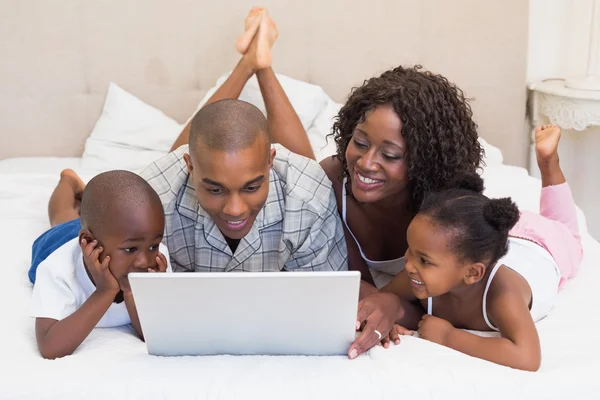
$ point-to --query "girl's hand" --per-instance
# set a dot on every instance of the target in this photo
(435, 329)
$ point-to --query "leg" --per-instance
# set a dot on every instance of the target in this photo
(546, 150)
(556, 201)
(284, 124)
(250, 27)
(245, 68)
(66, 199)
(230, 89)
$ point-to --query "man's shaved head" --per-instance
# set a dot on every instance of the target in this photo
(228, 125)
(114, 193)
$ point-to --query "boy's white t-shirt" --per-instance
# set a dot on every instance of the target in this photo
(62, 285)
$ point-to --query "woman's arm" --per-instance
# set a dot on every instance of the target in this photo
(333, 168)
(381, 310)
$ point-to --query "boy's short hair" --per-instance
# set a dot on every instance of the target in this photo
(109, 190)
(228, 125)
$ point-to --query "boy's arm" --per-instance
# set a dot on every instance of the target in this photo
(61, 338)
(132, 311)
(519, 346)
(163, 265)
(60, 327)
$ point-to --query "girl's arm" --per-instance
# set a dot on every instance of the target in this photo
(519, 346)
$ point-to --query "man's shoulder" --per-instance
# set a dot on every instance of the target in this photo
(303, 181)
(167, 174)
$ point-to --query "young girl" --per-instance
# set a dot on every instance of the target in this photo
(480, 264)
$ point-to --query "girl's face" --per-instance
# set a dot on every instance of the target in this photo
(431, 265)
(376, 155)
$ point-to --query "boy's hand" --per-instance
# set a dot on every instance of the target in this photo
(435, 329)
(161, 266)
(124, 284)
(161, 263)
(101, 275)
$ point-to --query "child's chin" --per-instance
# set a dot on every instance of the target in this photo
(420, 294)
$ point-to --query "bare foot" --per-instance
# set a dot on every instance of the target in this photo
(71, 177)
(251, 24)
(259, 52)
(546, 143)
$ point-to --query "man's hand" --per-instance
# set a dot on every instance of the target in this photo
(435, 329)
(376, 314)
(104, 280)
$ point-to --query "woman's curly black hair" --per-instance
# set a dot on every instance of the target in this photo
(437, 126)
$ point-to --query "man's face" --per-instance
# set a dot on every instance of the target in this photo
(232, 187)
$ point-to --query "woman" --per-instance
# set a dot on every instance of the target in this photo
(399, 136)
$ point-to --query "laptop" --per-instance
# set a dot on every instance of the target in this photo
(244, 313)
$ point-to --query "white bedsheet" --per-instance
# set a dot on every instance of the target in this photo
(113, 363)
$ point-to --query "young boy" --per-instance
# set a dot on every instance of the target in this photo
(80, 266)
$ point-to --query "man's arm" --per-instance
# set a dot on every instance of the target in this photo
(323, 246)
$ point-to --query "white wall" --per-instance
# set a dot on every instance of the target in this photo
(558, 38)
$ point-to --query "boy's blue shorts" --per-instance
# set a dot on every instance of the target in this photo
(51, 240)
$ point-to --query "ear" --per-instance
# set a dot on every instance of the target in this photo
(272, 153)
(475, 273)
(87, 235)
(188, 162)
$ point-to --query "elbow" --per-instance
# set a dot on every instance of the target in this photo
(529, 363)
(51, 352)
(532, 367)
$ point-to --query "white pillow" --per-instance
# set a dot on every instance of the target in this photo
(323, 146)
(493, 155)
(307, 99)
(129, 134)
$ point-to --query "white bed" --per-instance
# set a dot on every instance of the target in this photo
(113, 362)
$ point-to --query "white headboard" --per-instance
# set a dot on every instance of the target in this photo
(56, 58)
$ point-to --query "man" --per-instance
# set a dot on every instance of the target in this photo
(232, 204)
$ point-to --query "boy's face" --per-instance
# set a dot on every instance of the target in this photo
(131, 238)
(232, 187)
